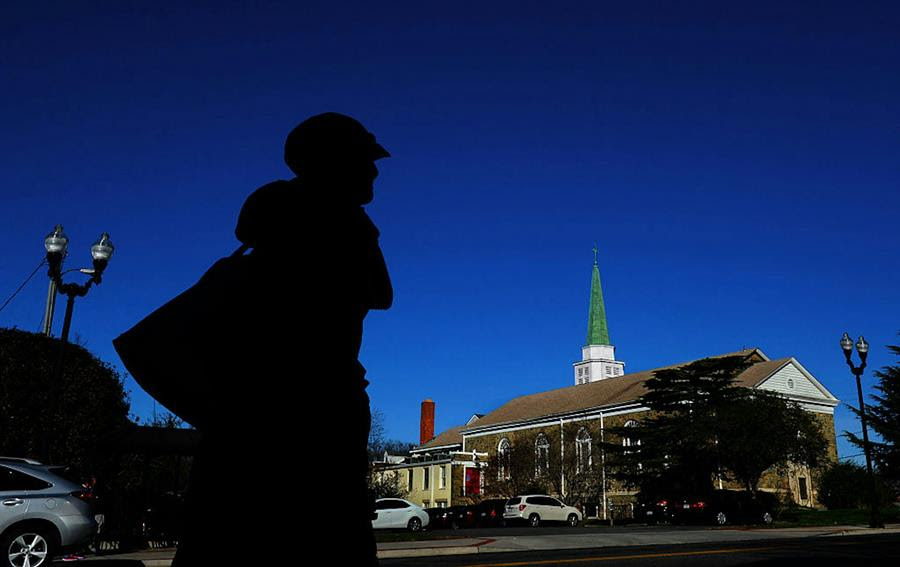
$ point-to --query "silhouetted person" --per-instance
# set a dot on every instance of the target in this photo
(280, 395)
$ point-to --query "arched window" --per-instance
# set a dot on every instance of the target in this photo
(503, 449)
(631, 440)
(541, 455)
(583, 457)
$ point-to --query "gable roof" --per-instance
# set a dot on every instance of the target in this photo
(610, 391)
(793, 367)
(448, 438)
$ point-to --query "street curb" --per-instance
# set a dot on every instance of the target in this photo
(425, 552)
(863, 531)
(470, 549)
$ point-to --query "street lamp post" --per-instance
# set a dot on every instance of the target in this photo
(862, 348)
(56, 245)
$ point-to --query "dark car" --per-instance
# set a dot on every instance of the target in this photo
(732, 507)
(463, 517)
(439, 518)
(489, 513)
(719, 507)
(658, 510)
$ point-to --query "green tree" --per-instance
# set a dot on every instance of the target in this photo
(383, 483)
(762, 431)
(703, 426)
(841, 487)
(386, 484)
(676, 446)
(512, 470)
(883, 417)
(65, 420)
(378, 443)
(575, 473)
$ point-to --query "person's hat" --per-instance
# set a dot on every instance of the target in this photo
(330, 137)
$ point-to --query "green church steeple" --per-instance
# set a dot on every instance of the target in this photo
(598, 333)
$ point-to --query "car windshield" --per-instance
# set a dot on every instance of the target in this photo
(513, 501)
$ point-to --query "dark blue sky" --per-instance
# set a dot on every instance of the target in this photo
(736, 163)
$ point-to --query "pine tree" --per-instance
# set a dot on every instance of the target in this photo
(676, 447)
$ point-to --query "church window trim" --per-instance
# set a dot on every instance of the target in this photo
(541, 455)
(583, 451)
(503, 459)
(628, 441)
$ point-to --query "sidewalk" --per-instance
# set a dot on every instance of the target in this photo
(592, 538)
(600, 538)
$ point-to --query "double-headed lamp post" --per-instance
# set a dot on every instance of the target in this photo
(862, 348)
(56, 245)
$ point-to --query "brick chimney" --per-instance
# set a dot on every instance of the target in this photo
(426, 423)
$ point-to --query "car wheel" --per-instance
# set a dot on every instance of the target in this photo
(573, 520)
(721, 519)
(27, 547)
(767, 518)
(534, 520)
(414, 525)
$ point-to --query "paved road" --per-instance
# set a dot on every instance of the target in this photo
(868, 550)
(557, 531)
(838, 545)
(513, 540)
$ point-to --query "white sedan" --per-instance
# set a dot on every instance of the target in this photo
(399, 513)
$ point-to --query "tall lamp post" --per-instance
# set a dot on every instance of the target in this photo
(862, 348)
(56, 245)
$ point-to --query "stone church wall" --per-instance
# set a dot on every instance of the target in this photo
(621, 497)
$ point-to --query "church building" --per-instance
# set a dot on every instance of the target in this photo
(573, 420)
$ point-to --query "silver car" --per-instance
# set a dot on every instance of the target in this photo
(41, 513)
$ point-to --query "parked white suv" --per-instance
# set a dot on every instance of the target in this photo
(537, 508)
(399, 513)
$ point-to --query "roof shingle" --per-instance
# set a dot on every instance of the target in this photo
(452, 436)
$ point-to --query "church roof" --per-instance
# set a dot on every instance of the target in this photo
(452, 436)
(610, 391)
